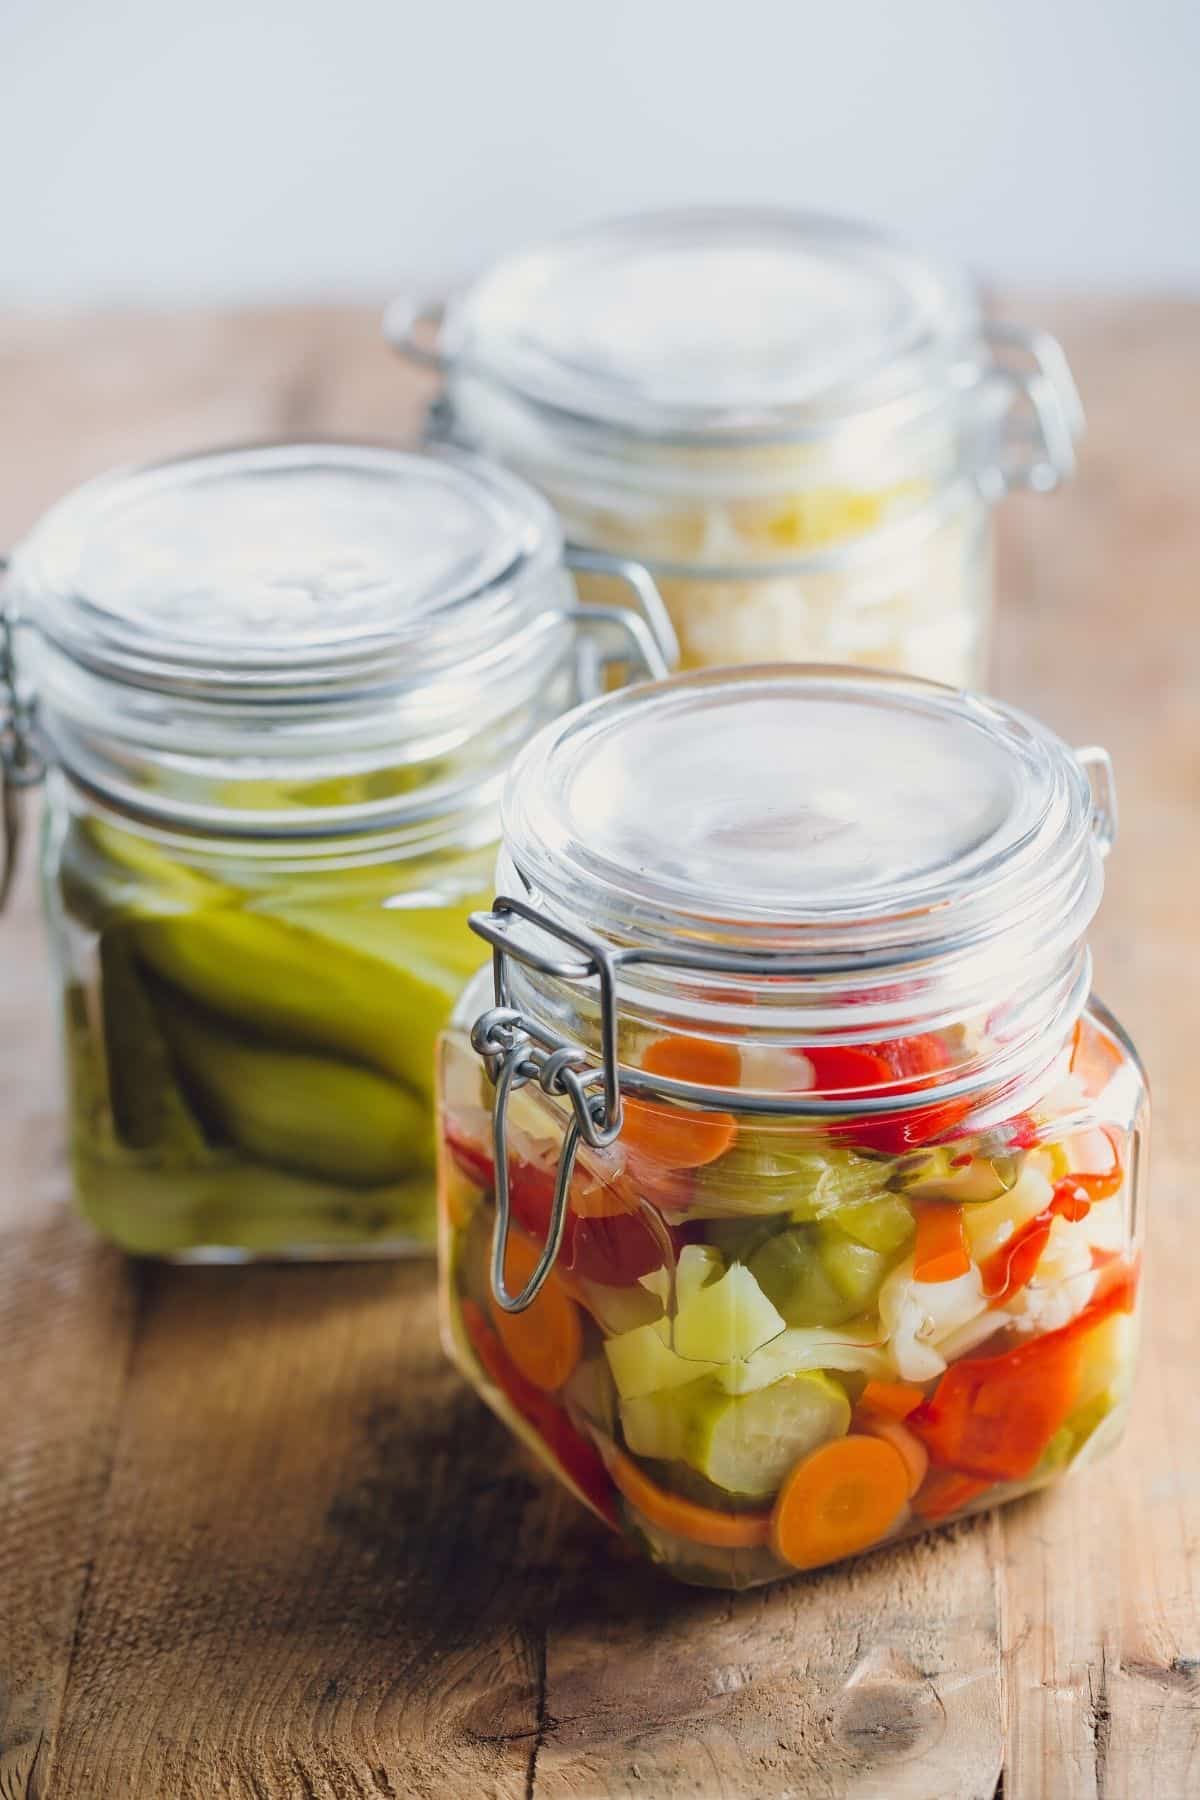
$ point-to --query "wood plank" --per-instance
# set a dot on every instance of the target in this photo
(313, 1568)
(880, 1680)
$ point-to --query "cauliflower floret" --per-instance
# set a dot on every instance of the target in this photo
(920, 1316)
(1063, 1282)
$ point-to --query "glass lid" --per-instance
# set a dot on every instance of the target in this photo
(713, 322)
(804, 809)
(268, 566)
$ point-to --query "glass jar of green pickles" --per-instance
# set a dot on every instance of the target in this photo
(276, 690)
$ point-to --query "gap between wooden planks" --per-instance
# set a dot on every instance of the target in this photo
(257, 1540)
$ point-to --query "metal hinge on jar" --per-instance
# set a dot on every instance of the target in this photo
(21, 762)
(1045, 421)
(1096, 764)
(650, 641)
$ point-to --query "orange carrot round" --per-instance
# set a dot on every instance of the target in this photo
(677, 1139)
(668, 1134)
(685, 1518)
(702, 1060)
(916, 1457)
(941, 1252)
(546, 1340)
(841, 1499)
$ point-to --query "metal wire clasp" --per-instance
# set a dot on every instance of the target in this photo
(1096, 764)
(1035, 367)
(650, 636)
(21, 763)
(516, 1049)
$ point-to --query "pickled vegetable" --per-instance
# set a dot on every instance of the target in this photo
(921, 609)
(254, 1075)
(808, 1347)
(744, 1443)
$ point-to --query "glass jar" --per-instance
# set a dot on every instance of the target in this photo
(276, 689)
(797, 424)
(803, 1211)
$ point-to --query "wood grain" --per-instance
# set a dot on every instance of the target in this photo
(257, 1540)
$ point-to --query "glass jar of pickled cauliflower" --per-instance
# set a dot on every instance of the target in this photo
(794, 1207)
(797, 424)
(276, 690)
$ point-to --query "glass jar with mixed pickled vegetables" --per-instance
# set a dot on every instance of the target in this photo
(794, 1207)
(277, 689)
(796, 423)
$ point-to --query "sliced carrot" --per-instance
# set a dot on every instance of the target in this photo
(942, 1253)
(702, 1060)
(945, 1491)
(677, 1139)
(670, 1135)
(546, 1340)
(841, 1499)
(916, 1457)
(892, 1399)
(685, 1518)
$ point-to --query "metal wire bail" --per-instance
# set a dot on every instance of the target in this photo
(651, 640)
(515, 1049)
(1035, 366)
(1096, 764)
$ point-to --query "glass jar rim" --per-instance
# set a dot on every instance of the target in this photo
(383, 717)
(968, 802)
(271, 573)
(973, 872)
(591, 328)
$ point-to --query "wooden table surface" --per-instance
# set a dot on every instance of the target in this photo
(257, 1539)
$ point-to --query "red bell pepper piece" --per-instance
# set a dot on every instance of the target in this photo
(475, 1163)
(613, 1250)
(945, 1491)
(992, 1417)
(900, 1066)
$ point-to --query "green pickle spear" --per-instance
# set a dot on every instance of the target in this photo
(149, 1110)
(299, 1111)
(267, 1059)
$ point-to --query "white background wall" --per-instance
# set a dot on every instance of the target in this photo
(153, 151)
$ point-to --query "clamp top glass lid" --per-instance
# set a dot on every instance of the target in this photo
(804, 807)
(713, 322)
(264, 566)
